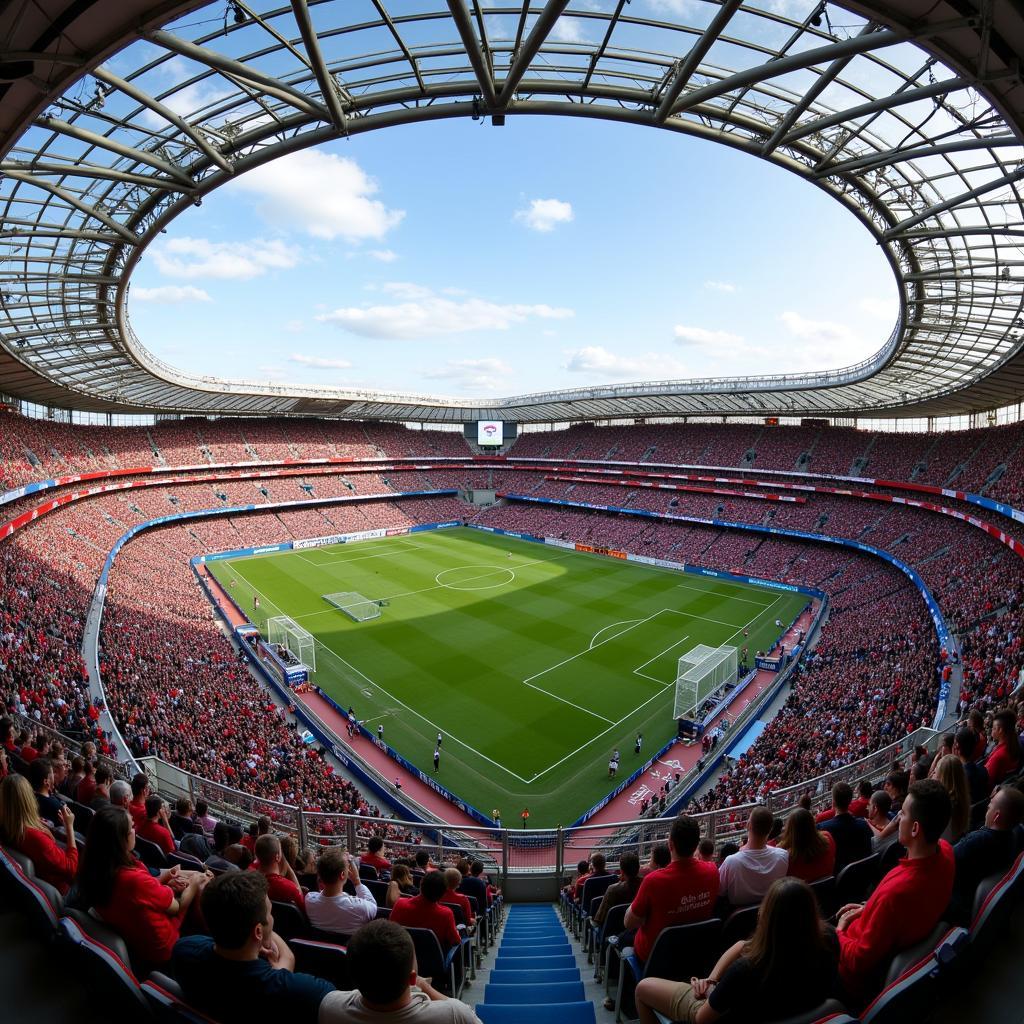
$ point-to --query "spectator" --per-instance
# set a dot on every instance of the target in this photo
(1005, 758)
(424, 911)
(401, 884)
(282, 885)
(661, 857)
(87, 785)
(423, 861)
(909, 900)
(880, 821)
(582, 874)
(242, 971)
(681, 893)
(852, 835)
(624, 890)
(596, 870)
(154, 826)
(748, 874)
(40, 775)
(988, 849)
(101, 795)
(812, 853)
(75, 776)
(182, 819)
(964, 744)
(224, 836)
(373, 856)
(950, 772)
(332, 909)
(706, 850)
(896, 783)
(120, 794)
(453, 878)
(859, 805)
(382, 959)
(725, 851)
(203, 817)
(787, 967)
(146, 911)
(474, 885)
(22, 829)
(140, 791)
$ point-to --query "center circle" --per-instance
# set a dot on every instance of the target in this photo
(474, 577)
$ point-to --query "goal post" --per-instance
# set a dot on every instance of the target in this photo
(354, 605)
(290, 636)
(702, 671)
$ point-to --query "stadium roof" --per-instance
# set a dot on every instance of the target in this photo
(909, 113)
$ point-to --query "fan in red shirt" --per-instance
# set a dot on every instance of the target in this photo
(682, 893)
(282, 885)
(146, 911)
(910, 899)
(812, 854)
(424, 911)
(22, 829)
(453, 879)
(1005, 759)
(373, 856)
(155, 825)
(141, 790)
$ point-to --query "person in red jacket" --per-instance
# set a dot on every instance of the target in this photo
(155, 826)
(425, 911)
(146, 911)
(373, 856)
(282, 884)
(141, 790)
(22, 829)
(453, 879)
(908, 902)
(1005, 758)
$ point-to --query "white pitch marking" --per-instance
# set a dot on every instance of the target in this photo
(578, 707)
(624, 622)
(637, 671)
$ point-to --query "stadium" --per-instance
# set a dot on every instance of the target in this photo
(691, 668)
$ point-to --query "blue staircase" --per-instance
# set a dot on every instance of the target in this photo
(535, 977)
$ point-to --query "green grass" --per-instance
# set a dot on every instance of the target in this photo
(535, 666)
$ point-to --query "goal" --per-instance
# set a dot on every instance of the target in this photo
(290, 638)
(355, 606)
(702, 671)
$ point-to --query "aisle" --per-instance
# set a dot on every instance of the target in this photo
(535, 977)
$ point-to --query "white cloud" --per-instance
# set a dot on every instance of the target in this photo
(819, 332)
(719, 286)
(240, 261)
(702, 337)
(881, 308)
(171, 293)
(544, 214)
(319, 362)
(384, 255)
(294, 327)
(424, 314)
(323, 194)
(475, 374)
(598, 361)
(569, 30)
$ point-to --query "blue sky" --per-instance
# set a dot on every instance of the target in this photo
(466, 260)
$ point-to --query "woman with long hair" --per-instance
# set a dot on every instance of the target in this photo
(788, 966)
(951, 774)
(400, 884)
(22, 829)
(146, 911)
(812, 853)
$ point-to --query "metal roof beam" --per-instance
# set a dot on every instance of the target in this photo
(697, 53)
(894, 156)
(236, 69)
(464, 23)
(949, 204)
(795, 62)
(55, 124)
(534, 41)
(94, 171)
(143, 97)
(90, 211)
(328, 87)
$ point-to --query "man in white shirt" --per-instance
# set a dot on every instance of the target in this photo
(382, 960)
(747, 876)
(333, 910)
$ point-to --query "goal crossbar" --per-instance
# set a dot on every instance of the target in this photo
(701, 672)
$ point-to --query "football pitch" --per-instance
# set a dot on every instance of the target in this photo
(535, 662)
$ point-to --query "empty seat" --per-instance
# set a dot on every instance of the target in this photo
(111, 982)
(328, 960)
(167, 1001)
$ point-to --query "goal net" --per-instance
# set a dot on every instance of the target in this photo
(702, 671)
(355, 606)
(293, 643)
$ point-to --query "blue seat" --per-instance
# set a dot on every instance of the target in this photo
(554, 992)
(534, 963)
(538, 1013)
(539, 977)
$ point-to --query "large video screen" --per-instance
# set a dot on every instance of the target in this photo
(490, 432)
